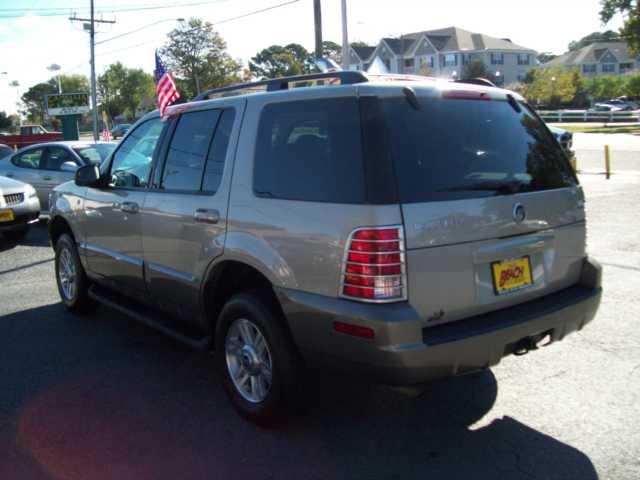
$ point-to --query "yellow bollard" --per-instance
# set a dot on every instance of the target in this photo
(607, 161)
(574, 163)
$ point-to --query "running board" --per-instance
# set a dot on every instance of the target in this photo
(138, 313)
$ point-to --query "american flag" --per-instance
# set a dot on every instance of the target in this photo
(165, 87)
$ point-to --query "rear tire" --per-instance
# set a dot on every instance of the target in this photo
(73, 285)
(256, 359)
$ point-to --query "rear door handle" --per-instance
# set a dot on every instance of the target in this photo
(9, 174)
(130, 207)
(206, 215)
(47, 178)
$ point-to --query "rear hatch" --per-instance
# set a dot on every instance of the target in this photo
(493, 214)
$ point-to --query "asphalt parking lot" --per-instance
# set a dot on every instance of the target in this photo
(100, 397)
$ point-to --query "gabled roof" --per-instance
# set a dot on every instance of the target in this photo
(401, 45)
(594, 53)
(453, 39)
(364, 53)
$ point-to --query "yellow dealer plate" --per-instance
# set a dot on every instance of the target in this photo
(511, 275)
(6, 215)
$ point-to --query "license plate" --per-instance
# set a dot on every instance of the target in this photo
(511, 275)
(6, 215)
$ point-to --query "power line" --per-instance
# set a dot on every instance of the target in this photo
(64, 11)
(244, 15)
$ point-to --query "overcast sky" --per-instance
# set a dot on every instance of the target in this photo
(30, 42)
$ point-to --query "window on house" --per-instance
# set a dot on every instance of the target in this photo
(450, 60)
(497, 59)
(431, 62)
(409, 62)
(589, 68)
(523, 59)
(626, 66)
(608, 67)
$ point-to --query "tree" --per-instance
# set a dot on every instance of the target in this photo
(545, 57)
(122, 89)
(605, 88)
(551, 87)
(332, 50)
(592, 38)
(630, 10)
(5, 120)
(198, 57)
(279, 61)
(476, 69)
(33, 98)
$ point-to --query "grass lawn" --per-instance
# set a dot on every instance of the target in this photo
(633, 129)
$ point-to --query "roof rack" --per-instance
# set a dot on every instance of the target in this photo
(477, 81)
(284, 83)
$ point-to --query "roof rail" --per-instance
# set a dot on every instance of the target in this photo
(477, 81)
(283, 83)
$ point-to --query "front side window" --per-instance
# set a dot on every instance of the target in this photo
(188, 151)
(56, 157)
(30, 159)
(95, 154)
(131, 163)
(310, 151)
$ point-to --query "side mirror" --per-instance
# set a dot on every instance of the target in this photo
(87, 176)
(69, 167)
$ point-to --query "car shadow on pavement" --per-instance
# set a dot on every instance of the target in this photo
(36, 237)
(101, 397)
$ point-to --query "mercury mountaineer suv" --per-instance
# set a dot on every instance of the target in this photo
(398, 228)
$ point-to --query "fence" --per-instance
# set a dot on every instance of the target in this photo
(589, 116)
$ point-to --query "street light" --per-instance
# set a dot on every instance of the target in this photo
(54, 67)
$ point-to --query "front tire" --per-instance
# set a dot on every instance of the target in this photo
(72, 281)
(255, 358)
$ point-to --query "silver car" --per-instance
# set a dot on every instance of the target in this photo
(19, 207)
(47, 165)
(392, 228)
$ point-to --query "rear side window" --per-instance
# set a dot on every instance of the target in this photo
(452, 149)
(310, 150)
(30, 159)
(187, 153)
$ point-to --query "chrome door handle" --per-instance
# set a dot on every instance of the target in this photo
(130, 207)
(9, 174)
(46, 177)
(205, 215)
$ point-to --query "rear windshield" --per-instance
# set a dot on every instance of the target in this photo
(450, 149)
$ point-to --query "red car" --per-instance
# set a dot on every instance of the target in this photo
(29, 135)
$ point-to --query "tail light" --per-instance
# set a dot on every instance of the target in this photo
(374, 265)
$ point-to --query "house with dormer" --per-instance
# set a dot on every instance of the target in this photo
(599, 58)
(445, 53)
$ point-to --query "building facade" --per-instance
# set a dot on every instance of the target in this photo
(598, 59)
(445, 53)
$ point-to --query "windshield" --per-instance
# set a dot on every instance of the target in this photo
(95, 154)
(450, 149)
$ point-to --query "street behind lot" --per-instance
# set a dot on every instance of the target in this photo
(100, 397)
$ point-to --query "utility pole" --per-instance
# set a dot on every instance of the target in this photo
(92, 43)
(345, 37)
(317, 17)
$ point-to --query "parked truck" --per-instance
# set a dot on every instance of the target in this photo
(29, 135)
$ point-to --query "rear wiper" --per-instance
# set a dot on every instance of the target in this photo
(500, 187)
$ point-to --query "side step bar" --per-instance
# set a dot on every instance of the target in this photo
(137, 312)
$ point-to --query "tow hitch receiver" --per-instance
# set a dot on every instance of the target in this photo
(525, 345)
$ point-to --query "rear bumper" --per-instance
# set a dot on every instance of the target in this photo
(404, 352)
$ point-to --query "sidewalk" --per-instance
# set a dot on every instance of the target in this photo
(597, 141)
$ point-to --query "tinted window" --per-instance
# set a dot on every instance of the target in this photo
(30, 159)
(188, 150)
(218, 152)
(132, 161)
(310, 150)
(56, 157)
(451, 149)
